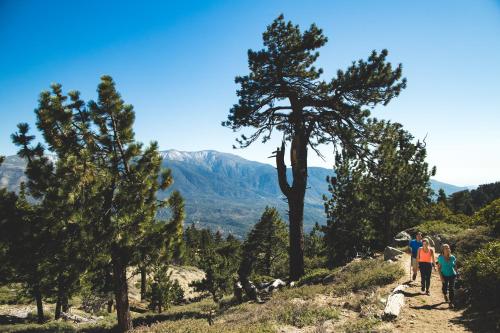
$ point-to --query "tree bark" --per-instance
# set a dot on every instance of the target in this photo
(110, 305)
(65, 303)
(121, 294)
(39, 304)
(295, 195)
(57, 311)
(143, 283)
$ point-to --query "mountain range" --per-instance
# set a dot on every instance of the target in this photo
(223, 191)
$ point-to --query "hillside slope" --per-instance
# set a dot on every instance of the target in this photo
(223, 191)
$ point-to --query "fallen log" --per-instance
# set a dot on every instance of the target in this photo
(395, 303)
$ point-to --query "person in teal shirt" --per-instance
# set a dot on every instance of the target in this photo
(447, 270)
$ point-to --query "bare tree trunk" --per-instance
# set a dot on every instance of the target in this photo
(57, 312)
(39, 304)
(143, 283)
(121, 294)
(295, 195)
(110, 305)
(65, 304)
(296, 236)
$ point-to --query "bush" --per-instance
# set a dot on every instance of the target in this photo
(315, 262)
(365, 274)
(261, 279)
(460, 220)
(300, 316)
(315, 276)
(13, 294)
(467, 241)
(489, 216)
(438, 227)
(481, 275)
(435, 211)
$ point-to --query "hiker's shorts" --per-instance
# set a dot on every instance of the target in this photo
(414, 264)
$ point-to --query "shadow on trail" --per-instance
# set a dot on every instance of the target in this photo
(430, 306)
(478, 320)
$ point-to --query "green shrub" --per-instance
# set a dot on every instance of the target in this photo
(361, 325)
(315, 276)
(460, 220)
(311, 263)
(300, 316)
(481, 275)
(438, 227)
(258, 279)
(365, 274)
(468, 240)
(435, 211)
(489, 216)
(13, 294)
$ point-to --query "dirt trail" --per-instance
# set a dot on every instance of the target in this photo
(426, 313)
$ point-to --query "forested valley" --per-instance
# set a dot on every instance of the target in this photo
(83, 248)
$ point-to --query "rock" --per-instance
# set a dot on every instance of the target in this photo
(402, 239)
(76, 318)
(251, 291)
(276, 284)
(391, 253)
(328, 279)
(436, 243)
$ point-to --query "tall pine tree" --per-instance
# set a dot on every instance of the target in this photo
(284, 92)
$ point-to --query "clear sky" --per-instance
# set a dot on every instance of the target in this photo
(175, 61)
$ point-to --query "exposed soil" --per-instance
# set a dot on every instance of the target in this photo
(425, 313)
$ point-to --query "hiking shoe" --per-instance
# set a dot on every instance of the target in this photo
(427, 292)
(414, 276)
(423, 289)
(446, 298)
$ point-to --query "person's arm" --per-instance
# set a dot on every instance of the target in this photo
(433, 259)
(418, 255)
(439, 270)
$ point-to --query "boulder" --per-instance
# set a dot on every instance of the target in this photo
(402, 239)
(436, 243)
(251, 291)
(391, 253)
(276, 284)
(77, 319)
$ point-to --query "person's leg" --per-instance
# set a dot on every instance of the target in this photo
(422, 276)
(451, 288)
(414, 266)
(445, 287)
(428, 270)
(429, 274)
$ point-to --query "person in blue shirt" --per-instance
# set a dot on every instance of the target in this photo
(414, 245)
(447, 270)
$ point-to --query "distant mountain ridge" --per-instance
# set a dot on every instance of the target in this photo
(224, 191)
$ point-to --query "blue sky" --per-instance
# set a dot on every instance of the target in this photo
(175, 61)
